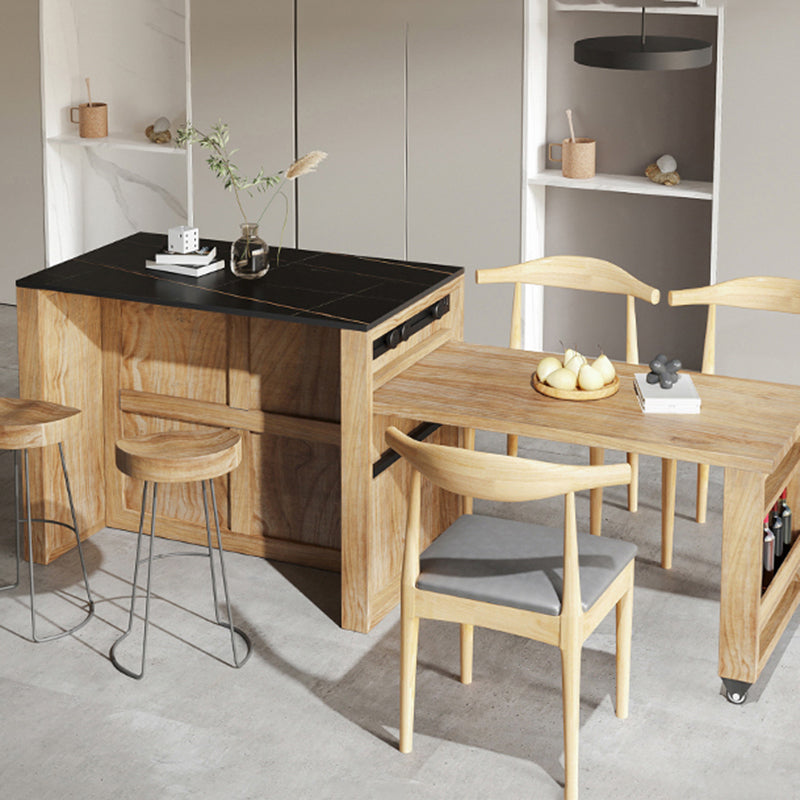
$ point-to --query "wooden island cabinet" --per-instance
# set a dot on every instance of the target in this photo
(291, 360)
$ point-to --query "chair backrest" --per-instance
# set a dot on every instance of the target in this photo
(573, 272)
(491, 476)
(761, 293)
(505, 479)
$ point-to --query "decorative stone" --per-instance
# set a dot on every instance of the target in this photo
(158, 132)
(664, 178)
(666, 163)
(664, 371)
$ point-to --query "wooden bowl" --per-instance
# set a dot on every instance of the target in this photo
(575, 394)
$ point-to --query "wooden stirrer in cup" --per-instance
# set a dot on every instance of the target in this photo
(569, 119)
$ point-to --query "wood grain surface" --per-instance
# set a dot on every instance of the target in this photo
(60, 357)
(300, 397)
(749, 425)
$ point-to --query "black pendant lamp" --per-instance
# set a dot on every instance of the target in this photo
(643, 52)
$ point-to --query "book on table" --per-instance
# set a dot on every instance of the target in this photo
(187, 269)
(680, 398)
(199, 258)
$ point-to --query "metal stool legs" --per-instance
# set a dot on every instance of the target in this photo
(28, 520)
(229, 624)
(237, 661)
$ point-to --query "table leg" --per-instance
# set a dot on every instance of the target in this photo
(356, 419)
(740, 583)
(669, 472)
(60, 360)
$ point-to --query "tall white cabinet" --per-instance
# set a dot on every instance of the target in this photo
(666, 236)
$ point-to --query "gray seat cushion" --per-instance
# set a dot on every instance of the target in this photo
(517, 564)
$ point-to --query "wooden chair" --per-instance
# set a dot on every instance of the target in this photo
(759, 293)
(173, 457)
(589, 274)
(507, 575)
(35, 423)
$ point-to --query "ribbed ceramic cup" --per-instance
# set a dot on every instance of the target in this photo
(92, 119)
(577, 158)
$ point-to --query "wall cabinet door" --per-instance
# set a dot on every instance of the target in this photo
(243, 73)
(419, 106)
(350, 90)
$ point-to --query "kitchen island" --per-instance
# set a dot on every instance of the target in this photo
(291, 360)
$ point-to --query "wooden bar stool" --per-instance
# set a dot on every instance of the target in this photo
(176, 457)
(35, 423)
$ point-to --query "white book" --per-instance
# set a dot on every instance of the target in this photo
(681, 398)
(199, 258)
(187, 269)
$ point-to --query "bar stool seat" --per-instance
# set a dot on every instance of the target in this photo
(177, 457)
(26, 424)
(180, 456)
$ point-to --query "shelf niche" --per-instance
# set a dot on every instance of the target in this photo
(99, 190)
(663, 235)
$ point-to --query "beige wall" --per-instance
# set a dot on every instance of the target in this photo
(759, 213)
(22, 198)
(243, 74)
(665, 242)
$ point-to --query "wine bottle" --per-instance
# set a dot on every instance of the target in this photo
(776, 526)
(786, 515)
(769, 555)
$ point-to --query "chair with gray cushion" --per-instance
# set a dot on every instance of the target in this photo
(547, 584)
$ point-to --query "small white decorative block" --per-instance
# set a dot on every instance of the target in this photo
(183, 239)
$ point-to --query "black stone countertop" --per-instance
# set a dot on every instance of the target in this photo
(336, 290)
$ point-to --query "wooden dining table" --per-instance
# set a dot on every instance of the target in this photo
(750, 428)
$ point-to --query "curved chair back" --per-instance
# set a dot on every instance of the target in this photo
(573, 272)
(501, 478)
(761, 293)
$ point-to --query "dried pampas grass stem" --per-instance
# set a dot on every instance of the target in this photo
(305, 164)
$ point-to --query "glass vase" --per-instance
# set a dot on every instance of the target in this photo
(249, 253)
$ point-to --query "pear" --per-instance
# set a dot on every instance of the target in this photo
(590, 378)
(569, 354)
(546, 366)
(562, 378)
(604, 366)
(575, 363)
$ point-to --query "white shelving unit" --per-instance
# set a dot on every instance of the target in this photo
(538, 178)
(135, 54)
(699, 10)
(119, 142)
(629, 184)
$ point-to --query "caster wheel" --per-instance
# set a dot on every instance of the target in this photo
(737, 698)
(735, 691)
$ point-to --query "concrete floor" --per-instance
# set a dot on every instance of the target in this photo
(314, 713)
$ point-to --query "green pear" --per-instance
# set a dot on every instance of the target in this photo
(604, 366)
(546, 366)
(575, 363)
(562, 378)
(590, 378)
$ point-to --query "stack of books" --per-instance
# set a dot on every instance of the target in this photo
(680, 398)
(198, 263)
